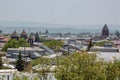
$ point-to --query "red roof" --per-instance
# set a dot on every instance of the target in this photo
(116, 42)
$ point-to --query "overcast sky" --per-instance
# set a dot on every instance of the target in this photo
(72, 12)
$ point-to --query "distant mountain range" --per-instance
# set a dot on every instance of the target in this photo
(10, 26)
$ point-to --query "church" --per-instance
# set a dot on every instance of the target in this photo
(105, 30)
(104, 35)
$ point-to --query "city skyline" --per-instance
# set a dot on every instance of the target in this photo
(67, 12)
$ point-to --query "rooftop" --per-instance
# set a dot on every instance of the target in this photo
(15, 33)
(104, 47)
(24, 33)
(105, 27)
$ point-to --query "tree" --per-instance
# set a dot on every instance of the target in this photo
(1, 64)
(113, 70)
(84, 66)
(13, 43)
(43, 68)
(23, 42)
(42, 39)
(102, 43)
(54, 44)
(20, 63)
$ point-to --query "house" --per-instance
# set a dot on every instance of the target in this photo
(108, 56)
(7, 74)
(3, 40)
(15, 35)
(23, 35)
(103, 49)
(29, 52)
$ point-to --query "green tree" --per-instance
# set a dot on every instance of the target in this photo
(102, 43)
(16, 77)
(40, 60)
(25, 78)
(81, 66)
(43, 68)
(113, 70)
(13, 43)
(23, 42)
(54, 44)
(84, 66)
(20, 63)
(42, 39)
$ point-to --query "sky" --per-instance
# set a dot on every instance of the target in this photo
(70, 12)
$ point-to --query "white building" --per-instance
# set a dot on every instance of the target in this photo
(7, 74)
